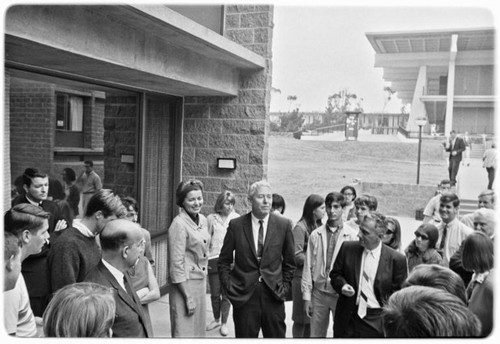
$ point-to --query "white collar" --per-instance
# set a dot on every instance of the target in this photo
(77, 223)
(117, 274)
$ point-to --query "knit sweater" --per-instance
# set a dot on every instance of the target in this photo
(71, 257)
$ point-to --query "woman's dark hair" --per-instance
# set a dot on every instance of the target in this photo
(70, 174)
(396, 235)
(477, 254)
(312, 202)
(278, 202)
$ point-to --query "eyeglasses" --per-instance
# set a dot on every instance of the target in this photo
(422, 236)
(389, 233)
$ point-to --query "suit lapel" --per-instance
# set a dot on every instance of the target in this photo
(270, 233)
(357, 264)
(249, 233)
(128, 299)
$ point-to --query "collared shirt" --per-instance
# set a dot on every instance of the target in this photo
(255, 229)
(117, 274)
(91, 183)
(77, 223)
(36, 204)
(456, 233)
(490, 158)
(331, 242)
(369, 262)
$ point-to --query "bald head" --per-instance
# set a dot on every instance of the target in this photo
(119, 233)
(122, 243)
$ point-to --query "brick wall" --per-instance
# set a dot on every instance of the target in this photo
(120, 127)
(6, 145)
(398, 199)
(32, 124)
(233, 127)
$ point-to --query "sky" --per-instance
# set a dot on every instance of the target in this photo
(320, 49)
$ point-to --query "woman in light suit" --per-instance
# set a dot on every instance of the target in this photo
(188, 243)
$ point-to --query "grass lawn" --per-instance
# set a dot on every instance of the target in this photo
(298, 168)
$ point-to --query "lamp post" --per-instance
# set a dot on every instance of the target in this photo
(420, 122)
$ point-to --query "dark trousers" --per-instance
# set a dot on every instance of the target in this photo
(453, 170)
(368, 327)
(491, 176)
(262, 311)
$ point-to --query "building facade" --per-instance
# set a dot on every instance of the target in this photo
(446, 75)
(154, 94)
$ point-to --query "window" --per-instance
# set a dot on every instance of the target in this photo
(69, 112)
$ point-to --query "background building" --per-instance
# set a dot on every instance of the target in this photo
(446, 75)
(152, 93)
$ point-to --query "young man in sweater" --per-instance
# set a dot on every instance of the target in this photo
(75, 252)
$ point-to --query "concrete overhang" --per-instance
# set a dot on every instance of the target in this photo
(138, 47)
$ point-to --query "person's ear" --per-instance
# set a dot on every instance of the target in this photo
(26, 236)
(98, 215)
(125, 252)
(9, 263)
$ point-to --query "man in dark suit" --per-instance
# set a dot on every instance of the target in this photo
(34, 268)
(365, 274)
(122, 244)
(455, 147)
(263, 248)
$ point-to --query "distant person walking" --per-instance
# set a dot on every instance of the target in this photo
(490, 162)
(90, 183)
(468, 146)
(71, 189)
(455, 146)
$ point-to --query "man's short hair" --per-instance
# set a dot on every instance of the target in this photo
(129, 201)
(89, 162)
(488, 214)
(380, 221)
(425, 312)
(24, 216)
(30, 173)
(488, 193)
(367, 200)
(107, 202)
(252, 190)
(448, 197)
(444, 181)
(437, 276)
(11, 245)
(335, 196)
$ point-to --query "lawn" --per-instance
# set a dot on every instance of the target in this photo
(298, 168)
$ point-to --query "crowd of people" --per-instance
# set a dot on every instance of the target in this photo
(93, 276)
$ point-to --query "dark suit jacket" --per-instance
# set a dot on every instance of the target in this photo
(276, 267)
(129, 318)
(34, 268)
(459, 147)
(391, 272)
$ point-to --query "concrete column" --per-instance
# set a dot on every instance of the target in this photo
(451, 86)
(417, 105)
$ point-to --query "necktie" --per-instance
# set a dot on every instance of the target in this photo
(443, 238)
(260, 242)
(364, 285)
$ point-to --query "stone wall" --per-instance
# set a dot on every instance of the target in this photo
(398, 199)
(233, 127)
(32, 126)
(120, 137)
(6, 145)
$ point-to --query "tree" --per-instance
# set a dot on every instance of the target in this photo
(291, 99)
(292, 121)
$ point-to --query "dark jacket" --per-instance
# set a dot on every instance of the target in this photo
(130, 321)
(276, 266)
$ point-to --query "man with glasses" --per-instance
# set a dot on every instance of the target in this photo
(365, 274)
(75, 252)
(122, 244)
(431, 211)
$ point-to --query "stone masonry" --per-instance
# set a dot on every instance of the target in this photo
(233, 127)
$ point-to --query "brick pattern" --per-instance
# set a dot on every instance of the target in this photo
(398, 199)
(120, 137)
(233, 127)
(32, 126)
(6, 146)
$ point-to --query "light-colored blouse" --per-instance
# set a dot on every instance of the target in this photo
(217, 228)
(188, 247)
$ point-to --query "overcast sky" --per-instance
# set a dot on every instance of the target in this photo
(320, 49)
